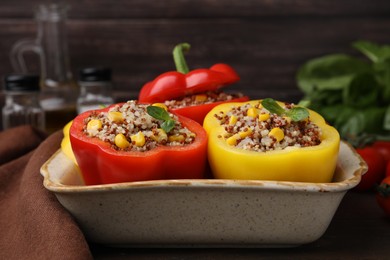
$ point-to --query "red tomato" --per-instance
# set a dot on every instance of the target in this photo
(388, 169)
(376, 168)
(384, 148)
(383, 195)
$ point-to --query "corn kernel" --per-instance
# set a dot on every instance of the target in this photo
(200, 98)
(138, 139)
(232, 120)
(277, 133)
(245, 133)
(115, 116)
(94, 124)
(176, 138)
(264, 117)
(193, 135)
(121, 141)
(232, 140)
(161, 136)
(252, 112)
(161, 105)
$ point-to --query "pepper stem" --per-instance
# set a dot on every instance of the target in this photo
(178, 57)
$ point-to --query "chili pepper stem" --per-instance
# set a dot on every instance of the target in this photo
(178, 57)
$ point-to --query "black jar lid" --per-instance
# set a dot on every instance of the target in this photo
(21, 82)
(94, 74)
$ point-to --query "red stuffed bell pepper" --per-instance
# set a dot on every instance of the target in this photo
(191, 93)
(126, 142)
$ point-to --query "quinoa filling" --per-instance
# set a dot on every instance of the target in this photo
(129, 127)
(199, 99)
(255, 128)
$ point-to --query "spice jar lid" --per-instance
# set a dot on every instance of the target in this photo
(21, 83)
(95, 74)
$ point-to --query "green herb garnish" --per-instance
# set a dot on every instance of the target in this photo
(160, 113)
(351, 93)
(296, 113)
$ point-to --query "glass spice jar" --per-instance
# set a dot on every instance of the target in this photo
(22, 102)
(95, 89)
(59, 90)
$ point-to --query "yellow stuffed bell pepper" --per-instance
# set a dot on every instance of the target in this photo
(66, 147)
(302, 163)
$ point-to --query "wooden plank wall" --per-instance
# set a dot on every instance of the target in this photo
(265, 41)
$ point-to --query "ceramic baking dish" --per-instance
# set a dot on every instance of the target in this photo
(202, 213)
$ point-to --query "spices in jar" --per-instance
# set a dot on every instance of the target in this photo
(95, 89)
(22, 105)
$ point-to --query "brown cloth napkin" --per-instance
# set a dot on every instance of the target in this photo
(33, 224)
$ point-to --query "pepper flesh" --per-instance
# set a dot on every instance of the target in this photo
(302, 164)
(101, 164)
(65, 143)
(178, 84)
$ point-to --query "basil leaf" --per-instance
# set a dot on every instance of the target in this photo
(371, 50)
(384, 79)
(355, 121)
(304, 103)
(386, 121)
(272, 106)
(374, 119)
(333, 71)
(353, 95)
(331, 113)
(326, 96)
(362, 92)
(298, 113)
(385, 52)
(161, 114)
(158, 113)
(168, 125)
(352, 123)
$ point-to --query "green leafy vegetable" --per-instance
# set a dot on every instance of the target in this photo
(296, 113)
(386, 122)
(371, 50)
(161, 114)
(168, 125)
(362, 91)
(329, 72)
(272, 106)
(353, 94)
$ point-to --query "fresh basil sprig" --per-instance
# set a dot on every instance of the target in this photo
(351, 93)
(296, 113)
(161, 114)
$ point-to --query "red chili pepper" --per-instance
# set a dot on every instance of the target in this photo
(177, 84)
(101, 164)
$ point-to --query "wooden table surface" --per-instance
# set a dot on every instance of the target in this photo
(359, 230)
